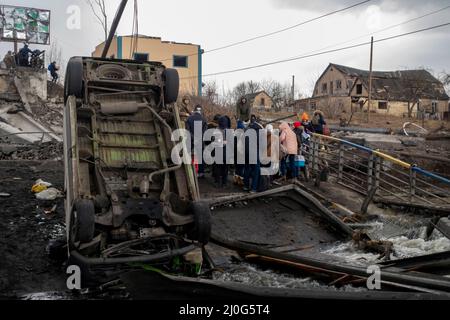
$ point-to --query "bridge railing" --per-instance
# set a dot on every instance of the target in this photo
(364, 170)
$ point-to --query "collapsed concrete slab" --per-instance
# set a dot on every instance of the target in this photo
(21, 90)
(27, 84)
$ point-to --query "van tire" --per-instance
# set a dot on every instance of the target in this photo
(172, 86)
(73, 85)
(84, 221)
(202, 222)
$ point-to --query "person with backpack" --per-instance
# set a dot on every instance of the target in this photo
(52, 68)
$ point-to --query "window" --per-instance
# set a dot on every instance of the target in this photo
(382, 105)
(338, 84)
(359, 89)
(434, 107)
(349, 84)
(141, 57)
(324, 88)
(180, 61)
(263, 101)
(331, 87)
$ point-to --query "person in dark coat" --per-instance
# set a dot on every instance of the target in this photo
(318, 122)
(298, 130)
(24, 56)
(239, 167)
(220, 170)
(252, 171)
(243, 109)
(52, 68)
(190, 125)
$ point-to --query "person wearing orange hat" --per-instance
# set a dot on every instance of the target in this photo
(306, 123)
(305, 117)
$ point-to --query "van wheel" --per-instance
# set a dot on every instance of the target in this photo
(172, 85)
(73, 85)
(83, 221)
(202, 222)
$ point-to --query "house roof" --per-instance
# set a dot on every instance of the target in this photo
(400, 84)
(142, 36)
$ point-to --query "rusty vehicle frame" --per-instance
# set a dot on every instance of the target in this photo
(125, 199)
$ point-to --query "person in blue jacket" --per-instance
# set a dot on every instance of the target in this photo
(52, 68)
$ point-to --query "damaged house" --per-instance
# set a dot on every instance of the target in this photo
(400, 93)
(260, 100)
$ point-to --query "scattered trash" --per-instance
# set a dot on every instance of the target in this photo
(49, 194)
(4, 195)
(421, 131)
(40, 185)
(51, 211)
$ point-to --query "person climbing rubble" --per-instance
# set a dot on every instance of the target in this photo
(52, 68)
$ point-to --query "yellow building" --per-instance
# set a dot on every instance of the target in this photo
(185, 57)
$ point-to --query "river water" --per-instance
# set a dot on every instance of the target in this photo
(406, 232)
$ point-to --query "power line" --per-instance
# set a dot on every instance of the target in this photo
(384, 29)
(321, 53)
(277, 31)
(287, 28)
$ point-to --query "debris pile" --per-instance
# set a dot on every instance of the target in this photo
(27, 114)
(52, 150)
(50, 114)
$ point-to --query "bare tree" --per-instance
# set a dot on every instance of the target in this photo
(54, 54)
(210, 92)
(98, 8)
(414, 90)
(444, 77)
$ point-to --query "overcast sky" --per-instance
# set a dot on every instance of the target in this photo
(214, 23)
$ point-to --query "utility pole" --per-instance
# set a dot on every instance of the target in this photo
(114, 25)
(369, 100)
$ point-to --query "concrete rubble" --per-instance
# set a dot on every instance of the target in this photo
(31, 115)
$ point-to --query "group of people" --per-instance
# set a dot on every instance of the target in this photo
(293, 138)
(24, 58)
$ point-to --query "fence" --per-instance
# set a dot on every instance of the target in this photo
(369, 171)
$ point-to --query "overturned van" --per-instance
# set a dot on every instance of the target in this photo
(126, 202)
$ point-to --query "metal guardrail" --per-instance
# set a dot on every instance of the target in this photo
(369, 171)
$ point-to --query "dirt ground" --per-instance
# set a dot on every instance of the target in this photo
(25, 229)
